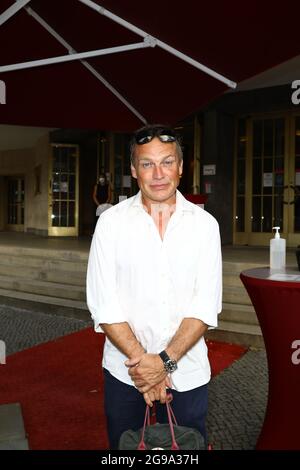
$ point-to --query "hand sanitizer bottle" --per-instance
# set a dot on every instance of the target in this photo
(277, 252)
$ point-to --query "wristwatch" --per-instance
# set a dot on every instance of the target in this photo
(170, 365)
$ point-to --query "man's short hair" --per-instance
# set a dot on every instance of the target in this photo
(146, 133)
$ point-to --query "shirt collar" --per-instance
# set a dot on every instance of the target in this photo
(182, 204)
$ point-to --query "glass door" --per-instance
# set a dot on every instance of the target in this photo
(267, 182)
(15, 203)
(293, 185)
(63, 190)
(267, 179)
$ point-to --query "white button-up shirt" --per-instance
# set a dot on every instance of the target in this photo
(152, 284)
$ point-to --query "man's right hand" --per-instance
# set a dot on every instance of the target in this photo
(158, 392)
(146, 371)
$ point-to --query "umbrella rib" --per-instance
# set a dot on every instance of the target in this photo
(89, 67)
(80, 56)
(75, 56)
(12, 10)
(71, 57)
(117, 19)
(114, 91)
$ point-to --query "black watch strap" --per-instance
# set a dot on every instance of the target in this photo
(164, 356)
(170, 365)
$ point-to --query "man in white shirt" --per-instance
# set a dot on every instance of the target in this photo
(154, 286)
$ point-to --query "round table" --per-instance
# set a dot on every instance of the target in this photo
(276, 299)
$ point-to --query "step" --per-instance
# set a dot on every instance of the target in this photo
(236, 295)
(12, 431)
(232, 280)
(232, 267)
(51, 289)
(44, 299)
(39, 262)
(237, 313)
(58, 276)
(244, 328)
(245, 339)
(248, 335)
(54, 254)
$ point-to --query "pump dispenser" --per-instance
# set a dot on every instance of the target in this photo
(277, 251)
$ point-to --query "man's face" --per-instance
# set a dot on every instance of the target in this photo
(157, 170)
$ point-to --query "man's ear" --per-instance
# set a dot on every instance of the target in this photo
(181, 168)
(133, 171)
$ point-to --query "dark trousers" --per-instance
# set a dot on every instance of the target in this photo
(125, 408)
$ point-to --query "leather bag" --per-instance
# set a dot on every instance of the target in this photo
(168, 436)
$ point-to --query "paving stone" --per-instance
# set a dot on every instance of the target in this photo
(14, 444)
(22, 329)
(12, 432)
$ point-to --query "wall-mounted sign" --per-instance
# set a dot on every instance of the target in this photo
(126, 181)
(268, 180)
(209, 169)
(64, 186)
(2, 92)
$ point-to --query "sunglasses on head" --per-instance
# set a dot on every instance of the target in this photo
(163, 134)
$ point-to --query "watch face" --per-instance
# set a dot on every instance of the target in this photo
(171, 365)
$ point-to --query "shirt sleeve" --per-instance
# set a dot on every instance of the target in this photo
(206, 301)
(101, 284)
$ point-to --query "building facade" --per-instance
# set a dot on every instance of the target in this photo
(242, 151)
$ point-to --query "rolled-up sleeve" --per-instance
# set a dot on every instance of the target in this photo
(206, 302)
(101, 284)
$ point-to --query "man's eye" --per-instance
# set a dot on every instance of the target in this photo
(168, 162)
(147, 165)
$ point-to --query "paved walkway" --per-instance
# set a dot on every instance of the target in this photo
(237, 396)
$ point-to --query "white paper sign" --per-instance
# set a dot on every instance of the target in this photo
(126, 181)
(268, 180)
(64, 186)
(209, 169)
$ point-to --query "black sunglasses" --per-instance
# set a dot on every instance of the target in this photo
(163, 134)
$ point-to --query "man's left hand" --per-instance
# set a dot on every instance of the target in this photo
(146, 371)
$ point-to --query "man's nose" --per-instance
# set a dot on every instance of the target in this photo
(158, 172)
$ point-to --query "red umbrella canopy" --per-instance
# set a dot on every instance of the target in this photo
(235, 42)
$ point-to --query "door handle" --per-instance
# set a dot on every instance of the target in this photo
(296, 191)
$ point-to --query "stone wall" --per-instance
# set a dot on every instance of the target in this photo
(31, 164)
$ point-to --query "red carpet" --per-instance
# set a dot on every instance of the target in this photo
(59, 387)
(221, 355)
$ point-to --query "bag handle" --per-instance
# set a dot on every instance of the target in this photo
(171, 411)
(172, 421)
(142, 445)
(171, 417)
